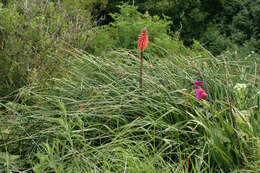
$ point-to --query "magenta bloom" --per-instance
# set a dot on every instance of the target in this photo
(200, 94)
(198, 83)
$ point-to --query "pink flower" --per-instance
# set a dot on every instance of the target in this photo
(198, 83)
(200, 94)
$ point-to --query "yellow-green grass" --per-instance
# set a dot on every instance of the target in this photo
(96, 119)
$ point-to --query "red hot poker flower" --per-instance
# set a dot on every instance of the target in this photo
(200, 94)
(198, 83)
(143, 39)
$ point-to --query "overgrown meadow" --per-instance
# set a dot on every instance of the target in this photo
(83, 111)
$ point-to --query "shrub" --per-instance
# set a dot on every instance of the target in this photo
(215, 41)
(31, 32)
(123, 32)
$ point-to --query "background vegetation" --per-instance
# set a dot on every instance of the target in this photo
(69, 96)
(218, 24)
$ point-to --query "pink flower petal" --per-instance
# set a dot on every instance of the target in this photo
(200, 94)
(198, 83)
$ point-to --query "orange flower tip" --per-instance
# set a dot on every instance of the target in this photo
(143, 39)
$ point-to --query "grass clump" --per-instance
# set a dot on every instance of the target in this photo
(95, 118)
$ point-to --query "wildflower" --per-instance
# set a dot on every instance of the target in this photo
(200, 94)
(198, 83)
(240, 86)
(143, 39)
(142, 44)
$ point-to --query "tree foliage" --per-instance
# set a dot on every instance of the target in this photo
(217, 24)
(123, 32)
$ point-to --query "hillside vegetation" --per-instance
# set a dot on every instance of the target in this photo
(70, 99)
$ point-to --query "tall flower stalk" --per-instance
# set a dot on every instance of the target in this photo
(142, 44)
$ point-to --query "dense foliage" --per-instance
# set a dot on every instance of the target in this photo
(95, 118)
(69, 95)
(123, 34)
(31, 31)
(218, 24)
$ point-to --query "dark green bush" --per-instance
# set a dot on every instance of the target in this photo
(215, 41)
(233, 22)
(124, 31)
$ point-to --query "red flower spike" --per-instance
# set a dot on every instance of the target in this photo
(143, 39)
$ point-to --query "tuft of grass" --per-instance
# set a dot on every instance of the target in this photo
(95, 119)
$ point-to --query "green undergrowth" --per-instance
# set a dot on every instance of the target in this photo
(96, 119)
